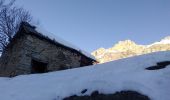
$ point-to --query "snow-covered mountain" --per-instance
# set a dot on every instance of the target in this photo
(129, 48)
(147, 74)
(166, 40)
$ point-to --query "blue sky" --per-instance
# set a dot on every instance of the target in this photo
(91, 24)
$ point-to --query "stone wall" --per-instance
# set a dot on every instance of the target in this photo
(18, 57)
(11, 57)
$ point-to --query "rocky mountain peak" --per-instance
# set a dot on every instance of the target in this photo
(126, 42)
(129, 48)
(126, 45)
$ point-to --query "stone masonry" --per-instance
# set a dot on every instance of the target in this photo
(26, 48)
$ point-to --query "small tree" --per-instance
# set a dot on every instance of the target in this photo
(10, 19)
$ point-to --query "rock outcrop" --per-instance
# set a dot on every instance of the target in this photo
(122, 95)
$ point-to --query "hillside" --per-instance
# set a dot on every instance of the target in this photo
(146, 74)
(128, 48)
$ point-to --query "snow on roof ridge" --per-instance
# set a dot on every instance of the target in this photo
(61, 41)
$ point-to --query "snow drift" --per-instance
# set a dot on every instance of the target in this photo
(124, 74)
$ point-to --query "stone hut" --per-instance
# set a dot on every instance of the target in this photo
(33, 51)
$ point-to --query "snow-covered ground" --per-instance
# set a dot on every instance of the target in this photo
(124, 74)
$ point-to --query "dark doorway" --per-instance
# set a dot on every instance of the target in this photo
(38, 67)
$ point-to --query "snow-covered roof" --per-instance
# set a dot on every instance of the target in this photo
(124, 74)
(56, 39)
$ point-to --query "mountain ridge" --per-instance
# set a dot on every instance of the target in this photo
(128, 48)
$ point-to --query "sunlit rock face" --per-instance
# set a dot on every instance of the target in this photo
(128, 48)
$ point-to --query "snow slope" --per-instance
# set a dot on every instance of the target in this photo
(124, 74)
